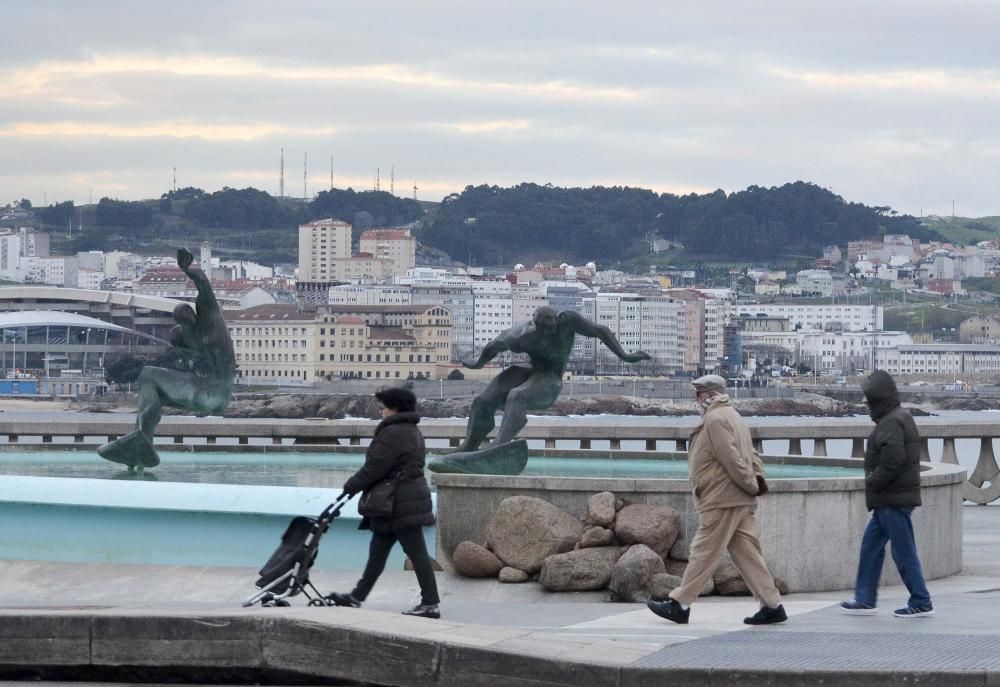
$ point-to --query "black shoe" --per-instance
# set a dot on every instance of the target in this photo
(767, 616)
(347, 600)
(671, 610)
(424, 611)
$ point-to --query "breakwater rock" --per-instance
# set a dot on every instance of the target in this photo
(339, 406)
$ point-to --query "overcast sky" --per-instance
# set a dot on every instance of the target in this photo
(888, 103)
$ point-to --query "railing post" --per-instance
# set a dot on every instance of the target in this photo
(925, 451)
(650, 444)
(948, 453)
(758, 445)
(550, 443)
(858, 448)
(616, 444)
(819, 448)
(680, 445)
(795, 447)
(584, 444)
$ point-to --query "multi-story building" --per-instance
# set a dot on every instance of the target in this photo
(369, 294)
(10, 257)
(851, 318)
(383, 341)
(944, 358)
(525, 300)
(493, 309)
(274, 344)
(395, 245)
(435, 287)
(654, 324)
(321, 244)
(361, 267)
(844, 352)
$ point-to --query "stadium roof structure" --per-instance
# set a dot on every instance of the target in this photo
(58, 318)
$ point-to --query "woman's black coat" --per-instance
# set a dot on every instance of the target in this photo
(398, 447)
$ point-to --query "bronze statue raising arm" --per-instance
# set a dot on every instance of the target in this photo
(584, 327)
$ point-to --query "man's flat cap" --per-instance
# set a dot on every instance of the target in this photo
(710, 382)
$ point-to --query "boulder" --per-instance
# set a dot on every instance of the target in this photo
(681, 550)
(513, 575)
(676, 569)
(524, 531)
(661, 584)
(655, 526)
(596, 536)
(728, 581)
(580, 570)
(633, 572)
(472, 560)
(601, 509)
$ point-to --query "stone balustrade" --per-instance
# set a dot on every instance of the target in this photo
(982, 486)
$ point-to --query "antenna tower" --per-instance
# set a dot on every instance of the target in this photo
(414, 190)
(305, 177)
(331, 172)
(378, 179)
(392, 180)
(281, 178)
(175, 180)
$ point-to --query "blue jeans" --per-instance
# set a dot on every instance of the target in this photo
(890, 524)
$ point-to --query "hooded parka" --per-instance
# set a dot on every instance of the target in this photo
(396, 449)
(892, 457)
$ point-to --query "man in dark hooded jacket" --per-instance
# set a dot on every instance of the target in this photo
(892, 491)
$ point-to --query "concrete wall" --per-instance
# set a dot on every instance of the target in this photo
(811, 528)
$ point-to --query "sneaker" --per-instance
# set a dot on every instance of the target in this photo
(671, 610)
(855, 607)
(424, 611)
(767, 616)
(912, 612)
(347, 600)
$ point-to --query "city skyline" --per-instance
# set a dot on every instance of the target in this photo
(885, 104)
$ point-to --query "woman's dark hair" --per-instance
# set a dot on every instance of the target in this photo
(399, 399)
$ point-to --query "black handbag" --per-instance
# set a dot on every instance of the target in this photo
(378, 501)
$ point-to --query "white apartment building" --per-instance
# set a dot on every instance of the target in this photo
(10, 257)
(121, 265)
(852, 318)
(492, 311)
(525, 300)
(321, 244)
(394, 245)
(52, 271)
(245, 270)
(943, 358)
(370, 294)
(654, 324)
(844, 352)
(89, 279)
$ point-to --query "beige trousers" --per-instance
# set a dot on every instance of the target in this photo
(735, 529)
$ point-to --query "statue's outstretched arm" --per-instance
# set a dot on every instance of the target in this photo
(206, 297)
(584, 327)
(489, 352)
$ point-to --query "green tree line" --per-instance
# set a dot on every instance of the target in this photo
(614, 223)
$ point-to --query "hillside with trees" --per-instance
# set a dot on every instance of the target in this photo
(494, 225)
(613, 224)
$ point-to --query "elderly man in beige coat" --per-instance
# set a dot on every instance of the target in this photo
(724, 470)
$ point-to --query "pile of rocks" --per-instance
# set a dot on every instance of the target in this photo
(634, 550)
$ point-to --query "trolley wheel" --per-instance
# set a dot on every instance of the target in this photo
(316, 602)
(281, 602)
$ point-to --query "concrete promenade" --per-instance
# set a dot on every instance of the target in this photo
(150, 624)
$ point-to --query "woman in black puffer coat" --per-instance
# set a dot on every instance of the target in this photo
(397, 450)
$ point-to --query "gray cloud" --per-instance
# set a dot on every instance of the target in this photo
(889, 102)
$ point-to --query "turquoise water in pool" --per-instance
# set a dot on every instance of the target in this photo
(330, 470)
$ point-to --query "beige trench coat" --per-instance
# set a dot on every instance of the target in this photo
(721, 459)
